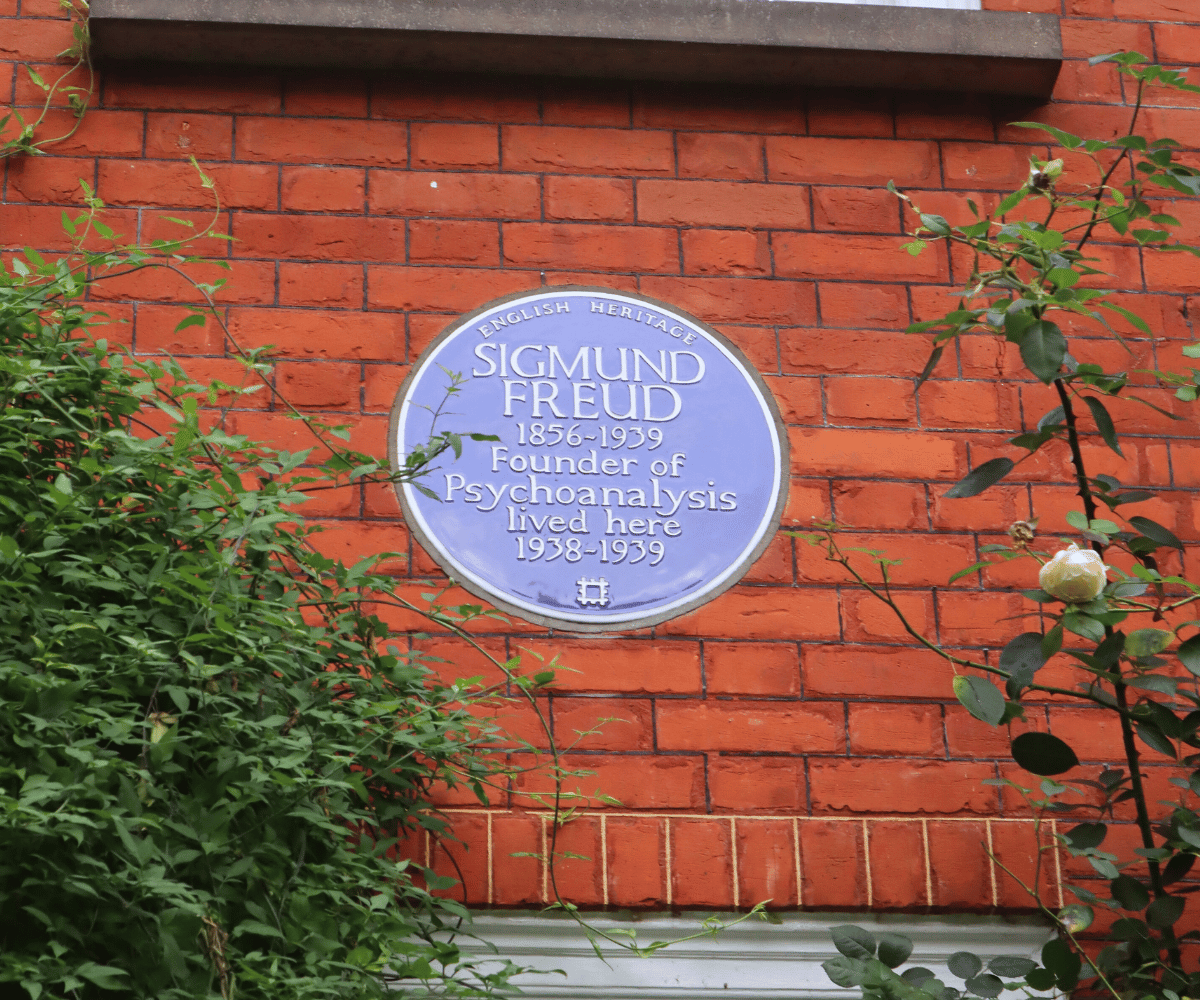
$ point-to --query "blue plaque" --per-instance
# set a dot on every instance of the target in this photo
(640, 470)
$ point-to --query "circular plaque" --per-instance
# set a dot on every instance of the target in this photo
(640, 467)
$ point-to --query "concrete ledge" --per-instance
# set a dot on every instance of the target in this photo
(769, 42)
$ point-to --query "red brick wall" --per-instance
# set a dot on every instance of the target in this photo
(785, 741)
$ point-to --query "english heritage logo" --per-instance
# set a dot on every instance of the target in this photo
(641, 465)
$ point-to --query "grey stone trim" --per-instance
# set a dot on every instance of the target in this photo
(768, 42)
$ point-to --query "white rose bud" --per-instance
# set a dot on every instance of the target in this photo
(1074, 574)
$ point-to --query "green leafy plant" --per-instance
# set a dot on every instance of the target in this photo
(1119, 624)
(25, 137)
(209, 749)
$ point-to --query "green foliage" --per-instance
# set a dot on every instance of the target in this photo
(1132, 655)
(208, 748)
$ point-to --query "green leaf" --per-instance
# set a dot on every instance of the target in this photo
(894, 949)
(985, 985)
(1076, 918)
(1086, 835)
(1060, 959)
(934, 357)
(1084, 625)
(107, 977)
(852, 941)
(1155, 738)
(1043, 754)
(1043, 348)
(1156, 532)
(1040, 979)
(1147, 642)
(980, 697)
(1189, 655)
(1165, 911)
(1104, 423)
(980, 478)
(964, 964)
(1130, 893)
(935, 224)
(845, 972)
(1052, 641)
(1011, 966)
(1065, 139)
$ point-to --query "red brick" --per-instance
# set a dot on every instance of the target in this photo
(102, 133)
(321, 285)
(248, 282)
(608, 248)
(709, 155)
(717, 107)
(631, 667)
(149, 182)
(316, 140)
(454, 660)
(873, 402)
(701, 863)
(599, 199)
(900, 786)
(846, 304)
(446, 242)
(49, 179)
(851, 161)
(867, 619)
(305, 333)
(986, 405)
(750, 726)
(587, 150)
(614, 724)
(897, 730)
(757, 784)
(752, 668)
(863, 210)
(897, 884)
(833, 872)
(324, 386)
(978, 165)
(850, 112)
(766, 863)
(636, 781)
(566, 102)
(352, 541)
(943, 116)
(455, 146)
(1015, 846)
(831, 255)
(775, 564)
(879, 505)
(960, 868)
(517, 880)
(318, 237)
(430, 97)
(899, 454)
(726, 251)
(578, 871)
(757, 343)
(738, 300)
(1154, 10)
(194, 88)
(723, 203)
(442, 289)
(462, 856)
(323, 189)
(970, 619)
(35, 39)
(875, 671)
(334, 94)
(636, 862)
(40, 226)
(1176, 43)
(178, 136)
(762, 613)
(156, 332)
(999, 506)
(490, 196)
(799, 399)
(805, 503)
